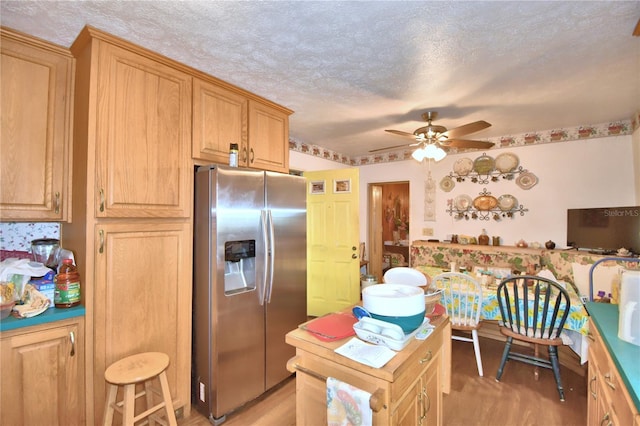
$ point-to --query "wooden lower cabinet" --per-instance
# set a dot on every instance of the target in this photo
(407, 390)
(42, 381)
(142, 301)
(609, 402)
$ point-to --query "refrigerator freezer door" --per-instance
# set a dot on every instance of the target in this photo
(286, 309)
(232, 370)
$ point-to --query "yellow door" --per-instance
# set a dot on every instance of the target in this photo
(333, 235)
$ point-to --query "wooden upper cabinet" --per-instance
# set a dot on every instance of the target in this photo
(268, 146)
(133, 128)
(35, 143)
(222, 116)
(219, 119)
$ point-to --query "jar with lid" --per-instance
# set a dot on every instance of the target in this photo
(483, 239)
(67, 281)
(233, 155)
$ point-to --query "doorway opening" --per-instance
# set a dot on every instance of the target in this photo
(388, 226)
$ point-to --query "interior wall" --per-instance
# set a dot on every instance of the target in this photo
(576, 174)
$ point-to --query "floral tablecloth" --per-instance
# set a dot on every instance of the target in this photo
(576, 326)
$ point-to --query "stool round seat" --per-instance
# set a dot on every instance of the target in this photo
(140, 369)
(136, 368)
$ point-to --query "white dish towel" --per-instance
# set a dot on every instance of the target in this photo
(347, 405)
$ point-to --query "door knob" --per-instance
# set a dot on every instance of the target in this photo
(354, 256)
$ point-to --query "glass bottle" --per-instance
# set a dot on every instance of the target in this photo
(67, 281)
(233, 155)
(483, 239)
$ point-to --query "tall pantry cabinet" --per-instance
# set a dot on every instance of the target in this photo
(36, 96)
(131, 208)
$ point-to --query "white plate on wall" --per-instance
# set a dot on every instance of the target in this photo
(507, 162)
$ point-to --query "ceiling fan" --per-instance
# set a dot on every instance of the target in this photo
(433, 140)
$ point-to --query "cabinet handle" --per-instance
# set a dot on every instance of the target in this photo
(607, 380)
(425, 407)
(244, 155)
(590, 336)
(253, 155)
(605, 420)
(427, 358)
(101, 247)
(591, 383)
(101, 199)
(56, 203)
(72, 337)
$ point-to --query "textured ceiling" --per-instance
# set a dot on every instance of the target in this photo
(351, 69)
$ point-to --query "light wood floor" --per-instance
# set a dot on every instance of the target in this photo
(516, 400)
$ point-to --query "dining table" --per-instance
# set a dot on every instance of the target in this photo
(576, 327)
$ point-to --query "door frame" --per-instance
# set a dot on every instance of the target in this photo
(375, 244)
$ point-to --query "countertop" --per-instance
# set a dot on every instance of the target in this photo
(624, 355)
(50, 315)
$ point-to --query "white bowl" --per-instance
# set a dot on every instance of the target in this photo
(393, 300)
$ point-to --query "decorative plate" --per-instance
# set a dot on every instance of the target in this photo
(507, 162)
(462, 202)
(484, 165)
(463, 166)
(447, 184)
(526, 180)
(485, 202)
(507, 202)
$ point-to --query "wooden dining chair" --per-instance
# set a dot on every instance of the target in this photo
(533, 310)
(462, 299)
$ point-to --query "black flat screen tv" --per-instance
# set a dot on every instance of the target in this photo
(604, 230)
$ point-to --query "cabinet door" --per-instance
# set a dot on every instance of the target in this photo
(36, 103)
(422, 405)
(268, 147)
(408, 411)
(143, 139)
(430, 409)
(593, 403)
(42, 380)
(142, 300)
(219, 119)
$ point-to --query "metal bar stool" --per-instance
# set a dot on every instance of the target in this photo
(136, 369)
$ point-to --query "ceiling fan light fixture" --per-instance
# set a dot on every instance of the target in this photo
(439, 154)
(418, 155)
(430, 151)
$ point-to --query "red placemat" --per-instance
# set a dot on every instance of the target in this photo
(331, 327)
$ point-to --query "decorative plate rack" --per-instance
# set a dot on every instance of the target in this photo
(486, 169)
(485, 207)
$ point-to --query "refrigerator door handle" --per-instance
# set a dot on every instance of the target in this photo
(262, 285)
(272, 255)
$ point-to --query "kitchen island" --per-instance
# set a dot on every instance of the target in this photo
(406, 390)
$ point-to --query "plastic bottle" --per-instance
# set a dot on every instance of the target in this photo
(67, 291)
(233, 155)
(615, 288)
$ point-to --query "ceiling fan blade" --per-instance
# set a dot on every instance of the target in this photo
(467, 143)
(476, 126)
(401, 133)
(389, 148)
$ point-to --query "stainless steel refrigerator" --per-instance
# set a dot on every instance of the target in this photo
(249, 283)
